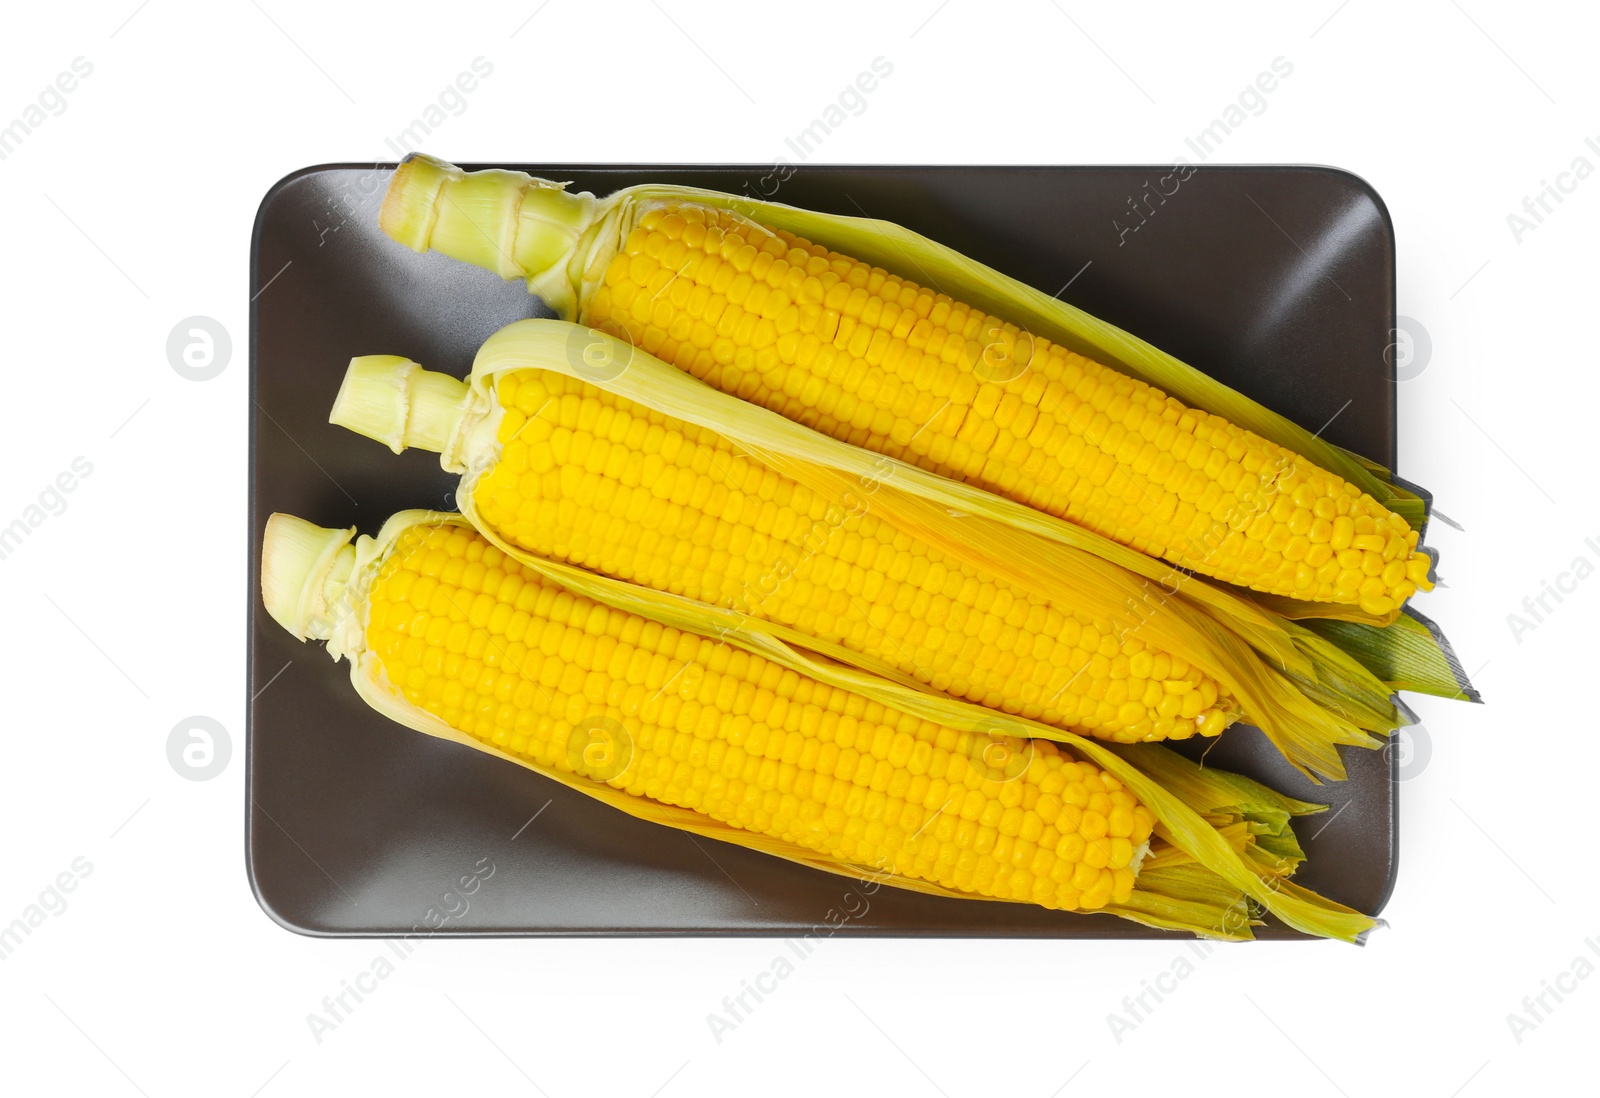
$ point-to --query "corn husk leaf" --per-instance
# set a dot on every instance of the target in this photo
(1411, 654)
(1264, 811)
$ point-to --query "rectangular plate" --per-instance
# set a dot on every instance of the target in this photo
(1278, 281)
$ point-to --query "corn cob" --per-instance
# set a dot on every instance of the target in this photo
(877, 360)
(562, 469)
(597, 481)
(447, 634)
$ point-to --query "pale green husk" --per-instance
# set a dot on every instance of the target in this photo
(1411, 654)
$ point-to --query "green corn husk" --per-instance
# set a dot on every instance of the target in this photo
(1266, 812)
(1410, 654)
(1212, 883)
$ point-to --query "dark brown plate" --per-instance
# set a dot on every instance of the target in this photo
(1279, 281)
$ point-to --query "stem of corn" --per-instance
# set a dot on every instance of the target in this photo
(396, 402)
(305, 573)
(502, 221)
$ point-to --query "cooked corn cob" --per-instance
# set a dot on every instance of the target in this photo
(563, 469)
(879, 361)
(447, 634)
(597, 481)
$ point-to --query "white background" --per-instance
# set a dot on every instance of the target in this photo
(132, 209)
